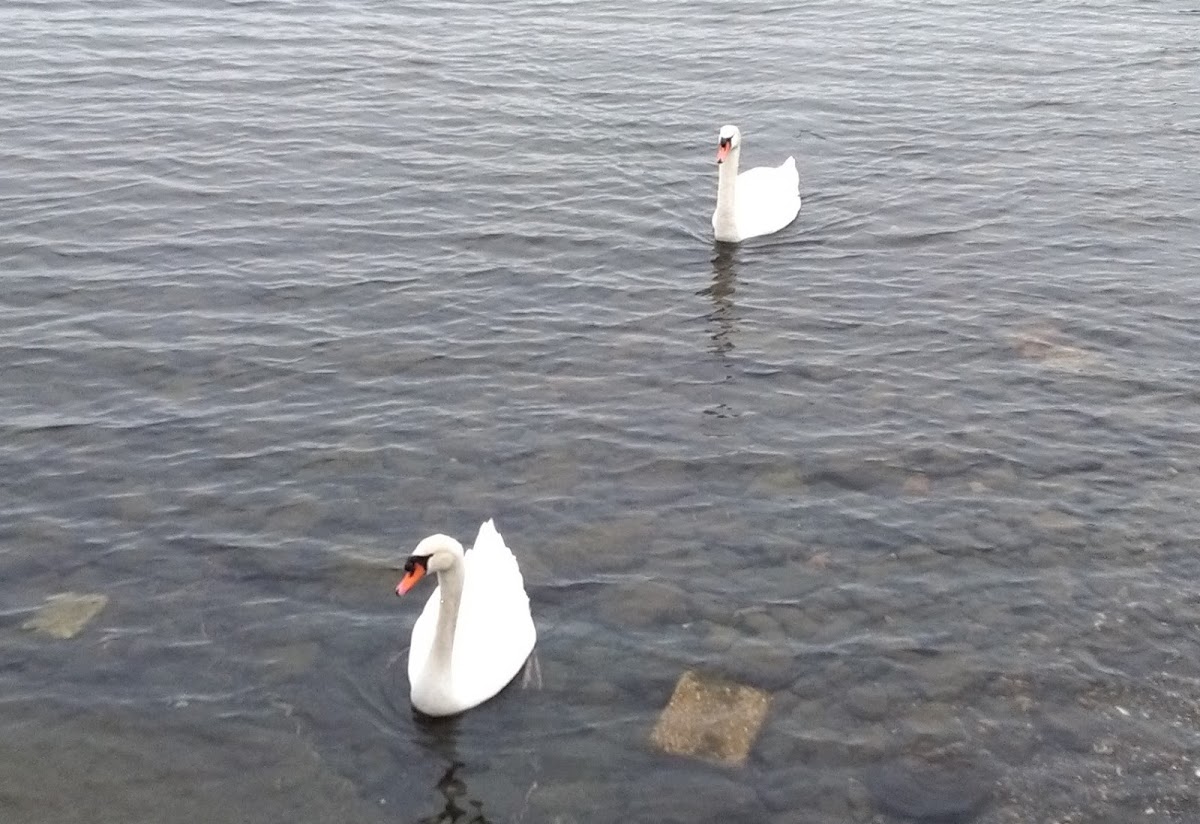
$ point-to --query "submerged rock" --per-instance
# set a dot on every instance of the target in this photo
(146, 766)
(916, 485)
(758, 622)
(766, 664)
(867, 702)
(66, 614)
(711, 719)
(644, 604)
(953, 791)
(1054, 520)
(1044, 345)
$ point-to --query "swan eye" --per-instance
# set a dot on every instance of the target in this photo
(415, 561)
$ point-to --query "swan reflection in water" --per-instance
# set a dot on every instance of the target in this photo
(452, 798)
(458, 807)
(439, 738)
(723, 316)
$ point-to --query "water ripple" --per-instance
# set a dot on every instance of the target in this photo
(287, 286)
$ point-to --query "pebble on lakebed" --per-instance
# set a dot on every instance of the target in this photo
(66, 614)
(711, 719)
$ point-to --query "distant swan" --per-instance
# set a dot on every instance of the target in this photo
(756, 202)
(475, 631)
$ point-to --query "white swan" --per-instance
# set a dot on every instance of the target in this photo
(475, 631)
(756, 202)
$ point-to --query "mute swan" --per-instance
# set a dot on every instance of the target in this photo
(756, 202)
(475, 631)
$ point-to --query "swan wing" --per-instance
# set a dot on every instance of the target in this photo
(495, 632)
(768, 198)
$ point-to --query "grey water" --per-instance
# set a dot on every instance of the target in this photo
(287, 286)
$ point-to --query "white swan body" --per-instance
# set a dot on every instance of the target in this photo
(476, 630)
(756, 202)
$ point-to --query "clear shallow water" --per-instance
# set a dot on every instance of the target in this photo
(288, 286)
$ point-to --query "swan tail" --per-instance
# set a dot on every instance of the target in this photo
(789, 165)
(488, 534)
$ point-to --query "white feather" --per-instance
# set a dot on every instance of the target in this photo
(493, 632)
(756, 202)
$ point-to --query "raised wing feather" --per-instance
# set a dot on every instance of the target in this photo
(495, 629)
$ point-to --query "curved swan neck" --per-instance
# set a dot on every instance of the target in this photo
(727, 172)
(450, 587)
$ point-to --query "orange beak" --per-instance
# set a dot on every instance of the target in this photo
(723, 150)
(410, 578)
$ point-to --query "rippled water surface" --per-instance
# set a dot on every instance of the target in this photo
(287, 286)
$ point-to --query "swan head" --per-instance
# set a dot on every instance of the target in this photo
(437, 553)
(729, 140)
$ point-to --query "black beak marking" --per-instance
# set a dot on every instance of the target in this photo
(415, 561)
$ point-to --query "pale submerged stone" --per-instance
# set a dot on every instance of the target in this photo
(710, 719)
(66, 614)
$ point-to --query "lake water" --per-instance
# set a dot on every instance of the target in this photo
(287, 286)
